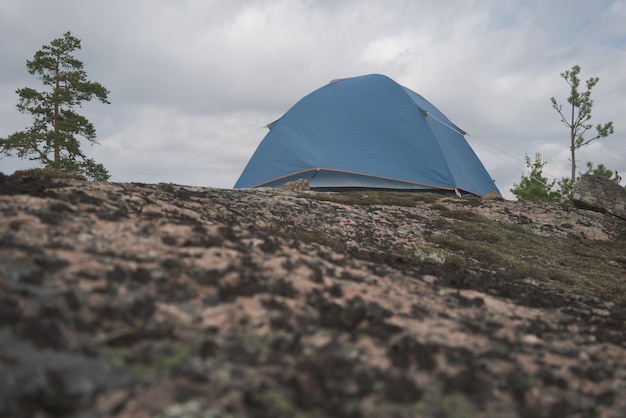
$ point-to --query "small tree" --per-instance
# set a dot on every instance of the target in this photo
(566, 183)
(577, 119)
(535, 187)
(53, 139)
(601, 170)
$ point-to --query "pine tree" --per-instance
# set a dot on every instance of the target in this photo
(535, 187)
(53, 139)
(603, 171)
(566, 184)
(579, 114)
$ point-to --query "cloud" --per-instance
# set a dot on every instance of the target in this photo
(188, 78)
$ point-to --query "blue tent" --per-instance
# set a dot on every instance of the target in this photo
(366, 132)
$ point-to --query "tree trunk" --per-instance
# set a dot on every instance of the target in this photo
(573, 145)
(56, 141)
(57, 152)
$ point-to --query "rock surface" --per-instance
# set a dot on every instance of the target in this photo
(138, 300)
(299, 185)
(600, 194)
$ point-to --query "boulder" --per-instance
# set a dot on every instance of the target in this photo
(492, 195)
(600, 194)
(299, 185)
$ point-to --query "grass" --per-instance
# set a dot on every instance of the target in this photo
(374, 197)
(591, 268)
(49, 172)
(192, 409)
(431, 255)
(172, 355)
(307, 236)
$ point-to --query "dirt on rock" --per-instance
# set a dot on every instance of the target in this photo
(137, 300)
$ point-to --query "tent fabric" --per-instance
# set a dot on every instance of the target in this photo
(366, 132)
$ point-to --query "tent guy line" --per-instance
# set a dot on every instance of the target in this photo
(487, 146)
(485, 143)
(516, 160)
(195, 157)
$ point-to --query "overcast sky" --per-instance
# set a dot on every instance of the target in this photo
(194, 82)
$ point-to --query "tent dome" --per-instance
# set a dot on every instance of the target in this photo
(366, 132)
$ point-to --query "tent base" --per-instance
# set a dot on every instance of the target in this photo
(445, 192)
(324, 180)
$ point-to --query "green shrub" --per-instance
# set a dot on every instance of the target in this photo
(49, 172)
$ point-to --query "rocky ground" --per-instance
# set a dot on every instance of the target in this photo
(139, 300)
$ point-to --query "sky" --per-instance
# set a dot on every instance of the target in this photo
(193, 83)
